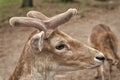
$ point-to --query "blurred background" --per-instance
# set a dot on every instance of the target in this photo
(90, 13)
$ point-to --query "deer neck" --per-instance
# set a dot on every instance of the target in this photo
(34, 66)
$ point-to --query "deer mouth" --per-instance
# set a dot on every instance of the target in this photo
(95, 65)
(98, 60)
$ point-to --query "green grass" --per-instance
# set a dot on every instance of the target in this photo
(9, 2)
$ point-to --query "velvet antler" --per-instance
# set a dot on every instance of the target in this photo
(42, 22)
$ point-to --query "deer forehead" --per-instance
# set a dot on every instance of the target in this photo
(61, 37)
(57, 39)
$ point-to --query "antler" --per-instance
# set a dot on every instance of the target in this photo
(38, 15)
(27, 22)
(55, 21)
(60, 19)
(42, 22)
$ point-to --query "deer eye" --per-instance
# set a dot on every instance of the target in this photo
(60, 46)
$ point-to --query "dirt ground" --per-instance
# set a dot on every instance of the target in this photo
(13, 39)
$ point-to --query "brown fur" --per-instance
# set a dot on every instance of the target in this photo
(49, 50)
(19, 67)
(79, 56)
(104, 40)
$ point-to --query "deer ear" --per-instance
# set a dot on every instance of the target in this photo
(37, 41)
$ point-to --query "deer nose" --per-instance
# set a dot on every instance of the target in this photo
(100, 57)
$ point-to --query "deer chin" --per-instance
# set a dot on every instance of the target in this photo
(92, 66)
(81, 67)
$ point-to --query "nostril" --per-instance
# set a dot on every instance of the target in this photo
(101, 58)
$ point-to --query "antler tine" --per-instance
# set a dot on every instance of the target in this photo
(27, 22)
(53, 22)
(36, 14)
(60, 19)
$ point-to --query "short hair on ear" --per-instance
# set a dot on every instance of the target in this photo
(36, 41)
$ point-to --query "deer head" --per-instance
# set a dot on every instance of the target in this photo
(52, 49)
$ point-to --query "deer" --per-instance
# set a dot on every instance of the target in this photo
(49, 50)
(103, 39)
